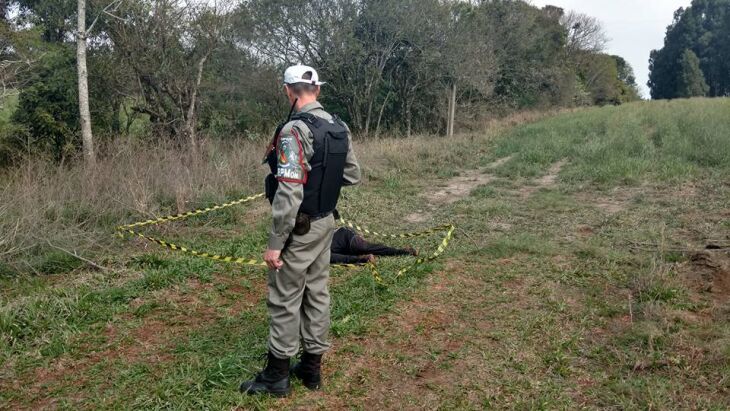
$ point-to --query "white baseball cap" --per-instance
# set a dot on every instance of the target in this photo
(294, 74)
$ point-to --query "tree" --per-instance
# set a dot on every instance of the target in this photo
(718, 65)
(628, 89)
(190, 67)
(82, 35)
(585, 33)
(83, 84)
(703, 29)
(55, 17)
(231, 107)
(608, 80)
(19, 51)
(600, 77)
(691, 81)
(166, 44)
(394, 64)
(530, 52)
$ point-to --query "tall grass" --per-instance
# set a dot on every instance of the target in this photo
(45, 207)
(666, 141)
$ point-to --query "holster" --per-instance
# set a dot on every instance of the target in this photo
(302, 225)
(303, 222)
(271, 184)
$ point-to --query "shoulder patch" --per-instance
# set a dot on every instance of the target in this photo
(290, 158)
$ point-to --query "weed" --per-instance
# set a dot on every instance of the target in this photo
(484, 192)
(149, 261)
(658, 285)
(57, 262)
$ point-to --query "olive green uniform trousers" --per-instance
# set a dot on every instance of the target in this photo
(299, 299)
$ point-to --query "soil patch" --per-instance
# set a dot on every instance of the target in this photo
(616, 201)
(257, 212)
(455, 189)
(458, 187)
(709, 271)
(420, 216)
(546, 181)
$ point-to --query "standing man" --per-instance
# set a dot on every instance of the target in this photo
(311, 159)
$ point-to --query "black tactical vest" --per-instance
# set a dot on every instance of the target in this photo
(325, 180)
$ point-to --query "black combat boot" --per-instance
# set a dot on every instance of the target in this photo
(274, 379)
(308, 370)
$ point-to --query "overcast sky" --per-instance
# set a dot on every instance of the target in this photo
(634, 27)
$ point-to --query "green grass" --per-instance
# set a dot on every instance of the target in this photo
(650, 141)
(564, 295)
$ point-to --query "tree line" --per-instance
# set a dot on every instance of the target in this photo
(695, 59)
(183, 70)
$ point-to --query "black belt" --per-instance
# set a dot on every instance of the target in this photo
(319, 216)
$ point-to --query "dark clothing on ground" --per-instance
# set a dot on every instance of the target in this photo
(348, 247)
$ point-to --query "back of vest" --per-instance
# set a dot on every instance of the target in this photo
(325, 180)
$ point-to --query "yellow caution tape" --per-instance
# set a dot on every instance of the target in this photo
(436, 254)
(363, 230)
(130, 229)
(189, 214)
(215, 257)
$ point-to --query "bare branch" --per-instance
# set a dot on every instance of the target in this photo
(585, 33)
(75, 255)
(106, 9)
(115, 16)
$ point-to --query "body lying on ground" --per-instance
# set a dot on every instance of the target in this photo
(348, 247)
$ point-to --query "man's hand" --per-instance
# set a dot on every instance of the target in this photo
(370, 258)
(272, 259)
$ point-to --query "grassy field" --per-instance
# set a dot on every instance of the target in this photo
(590, 269)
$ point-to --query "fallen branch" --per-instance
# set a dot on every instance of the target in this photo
(74, 254)
(32, 268)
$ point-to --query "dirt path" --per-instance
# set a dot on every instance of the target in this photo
(546, 181)
(461, 186)
(454, 190)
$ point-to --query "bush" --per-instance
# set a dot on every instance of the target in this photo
(13, 143)
(48, 105)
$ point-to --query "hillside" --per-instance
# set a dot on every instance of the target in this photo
(590, 268)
